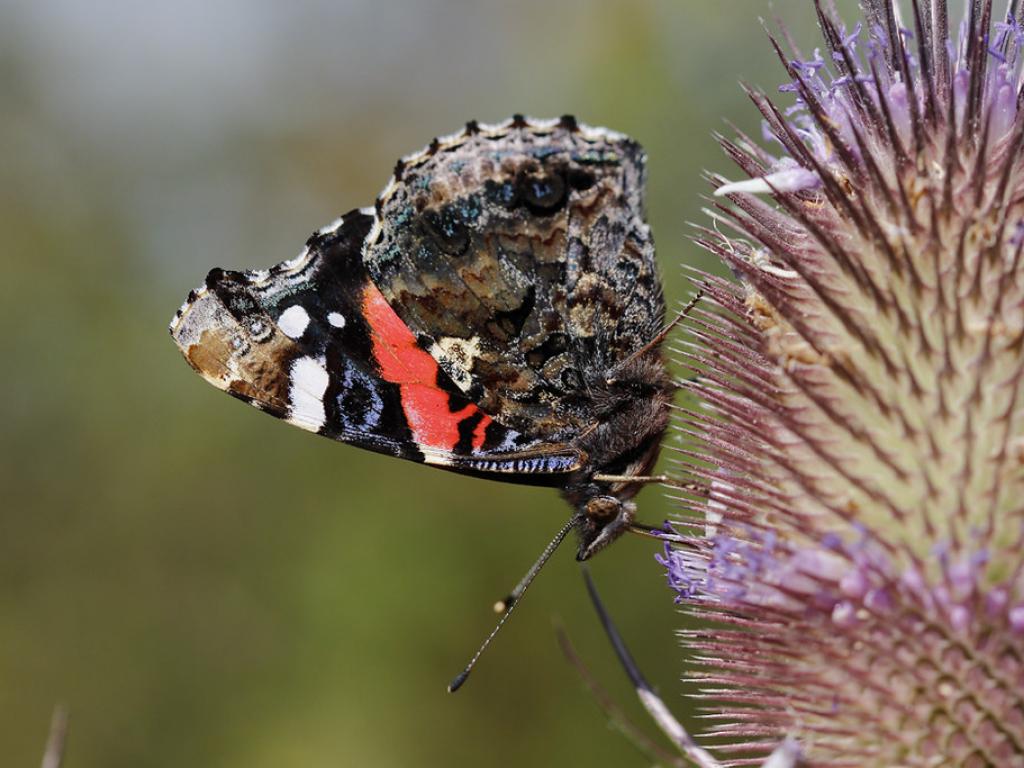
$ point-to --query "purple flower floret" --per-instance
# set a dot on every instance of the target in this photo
(685, 574)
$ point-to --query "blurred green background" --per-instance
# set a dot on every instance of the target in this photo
(203, 585)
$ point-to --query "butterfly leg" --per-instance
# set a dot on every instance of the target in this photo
(696, 488)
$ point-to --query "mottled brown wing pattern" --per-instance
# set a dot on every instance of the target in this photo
(519, 256)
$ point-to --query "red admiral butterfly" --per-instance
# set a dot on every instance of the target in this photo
(497, 313)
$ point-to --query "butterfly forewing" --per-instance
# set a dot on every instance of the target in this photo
(313, 341)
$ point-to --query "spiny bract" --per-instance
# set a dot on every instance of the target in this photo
(860, 433)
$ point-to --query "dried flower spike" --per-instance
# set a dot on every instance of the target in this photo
(861, 428)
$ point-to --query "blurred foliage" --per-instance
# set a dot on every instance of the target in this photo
(203, 585)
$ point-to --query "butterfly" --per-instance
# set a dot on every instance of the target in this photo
(497, 313)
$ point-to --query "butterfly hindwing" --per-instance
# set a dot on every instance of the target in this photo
(313, 341)
(519, 256)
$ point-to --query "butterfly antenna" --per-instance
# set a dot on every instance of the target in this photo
(509, 603)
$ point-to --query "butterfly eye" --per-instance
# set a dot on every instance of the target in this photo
(543, 194)
(445, 227)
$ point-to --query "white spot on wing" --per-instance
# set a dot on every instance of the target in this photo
(336, 319)
(456, 357)
(293, 321)
(309, 380)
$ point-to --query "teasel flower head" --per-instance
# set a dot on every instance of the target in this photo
(854, 545)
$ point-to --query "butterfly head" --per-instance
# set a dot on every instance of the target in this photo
(604, 519)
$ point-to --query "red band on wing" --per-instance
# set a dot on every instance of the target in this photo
(478, 433)
(402, 362)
